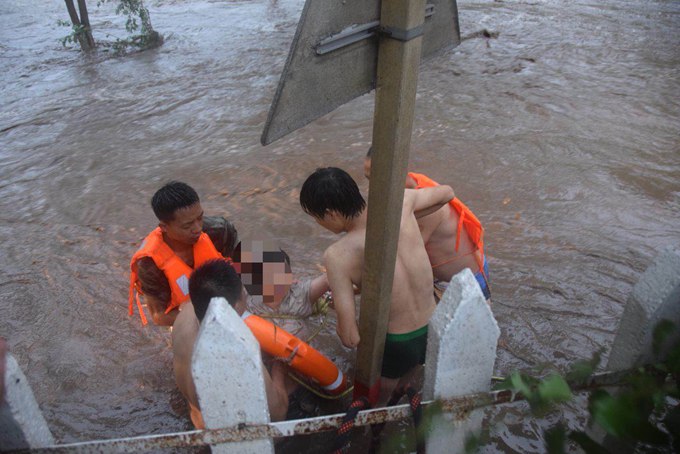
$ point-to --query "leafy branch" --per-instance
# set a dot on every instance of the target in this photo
(137, 24)
(644, 412)
(134, 10)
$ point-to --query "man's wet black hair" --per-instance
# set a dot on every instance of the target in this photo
(331, 188)
(214, 278)
(172, 197)
(369, 153)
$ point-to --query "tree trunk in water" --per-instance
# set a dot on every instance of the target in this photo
(85, 39)
(85, 20)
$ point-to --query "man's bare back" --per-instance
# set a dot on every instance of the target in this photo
(439, 231)
(412, 299)
(440, 234)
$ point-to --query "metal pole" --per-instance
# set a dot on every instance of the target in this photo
(398, 62)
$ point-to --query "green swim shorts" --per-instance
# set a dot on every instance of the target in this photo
(404, 351)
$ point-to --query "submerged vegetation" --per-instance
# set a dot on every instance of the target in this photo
(137, 24)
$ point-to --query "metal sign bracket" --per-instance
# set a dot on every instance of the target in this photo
(400, 34)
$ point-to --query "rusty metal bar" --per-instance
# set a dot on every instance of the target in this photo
(459, 406)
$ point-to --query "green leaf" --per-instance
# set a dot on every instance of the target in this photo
(472, 443)
(609, 414)
(583, 369)
(555, 437)
(520, 385)
(554, 389)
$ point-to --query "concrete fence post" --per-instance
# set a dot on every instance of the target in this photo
(655, 297)
(461, 352)
(22, 425)
(227, 371)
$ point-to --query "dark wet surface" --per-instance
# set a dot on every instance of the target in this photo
(561, 134)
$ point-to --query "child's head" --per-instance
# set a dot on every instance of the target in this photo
(331, 189)
(265, 269)
(212, 279)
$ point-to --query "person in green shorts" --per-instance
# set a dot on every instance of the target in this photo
(333, 199)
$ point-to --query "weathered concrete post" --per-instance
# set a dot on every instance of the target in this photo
(22, 425)
(461, 352)
(655, 297)
(227, 371)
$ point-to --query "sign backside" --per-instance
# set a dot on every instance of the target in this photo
(333, 58)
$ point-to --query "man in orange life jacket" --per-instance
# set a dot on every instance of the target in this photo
(217, 278)
(453, 236)
(160, 269)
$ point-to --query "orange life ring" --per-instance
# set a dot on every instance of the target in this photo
(302, 357)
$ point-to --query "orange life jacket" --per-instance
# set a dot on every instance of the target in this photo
(176, 271)
(466, 218)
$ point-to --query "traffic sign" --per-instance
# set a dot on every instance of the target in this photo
(333, 58)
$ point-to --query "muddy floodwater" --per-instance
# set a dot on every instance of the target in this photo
(561, 131)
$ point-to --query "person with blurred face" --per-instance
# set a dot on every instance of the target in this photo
(273, 291)
(332, 198)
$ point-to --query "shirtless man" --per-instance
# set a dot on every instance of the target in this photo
(453, 236)
(212, 279)
(333, 199)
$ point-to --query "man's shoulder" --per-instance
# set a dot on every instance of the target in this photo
(347, 249)
(347, 241)
(185, 328)
(222, 233)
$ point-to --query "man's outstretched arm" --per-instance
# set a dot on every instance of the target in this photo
(428, 200)
(318, 287)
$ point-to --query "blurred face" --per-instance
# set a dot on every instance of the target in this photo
(187, 225)
(276, 281)
(264, 273)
